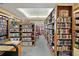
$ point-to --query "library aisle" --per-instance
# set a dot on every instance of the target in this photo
(39, 29)
(40, 49)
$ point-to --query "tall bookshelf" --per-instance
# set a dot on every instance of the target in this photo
(14, 30)
(64, 31)
(77, 30)
(3, 28)
(28, 34)
(76, 22)
(63, 34)
(50, 30)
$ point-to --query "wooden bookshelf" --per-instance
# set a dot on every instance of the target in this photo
(49, 30)
(28, 36)
(65, 26)
(76, 17)
(14, 30)
(3, 28)
(63, 30)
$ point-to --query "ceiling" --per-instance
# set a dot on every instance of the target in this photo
(35, 12)
(29, 10)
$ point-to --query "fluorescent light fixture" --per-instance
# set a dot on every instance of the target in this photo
(35, 12)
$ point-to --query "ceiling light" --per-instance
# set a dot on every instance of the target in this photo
(35, 12)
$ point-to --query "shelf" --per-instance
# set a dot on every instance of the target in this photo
(14, 32)
(65, 39)
(65, 51)
(50, 29)
(26, 36)
(77, 18)
(2, 35)
(63, 28)
(26, 32)
(77, 30)
(77, 24)
(14, 37)
(77, 43)
(63, 34)
(64, 22)
(63, 45)
(77, 36)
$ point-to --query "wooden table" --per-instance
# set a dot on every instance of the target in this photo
(11, 48)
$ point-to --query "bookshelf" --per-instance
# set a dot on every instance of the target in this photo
(64, 33)
(49, 30)
(14, 30)
(62, 30)
(77, 30)
(3, 28)
(28, 36)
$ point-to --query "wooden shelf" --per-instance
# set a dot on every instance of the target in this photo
(67, 21)
(77, 43)
(14, 32)
(63, 22)
(64, 28)
(26, 32)
(14, 37)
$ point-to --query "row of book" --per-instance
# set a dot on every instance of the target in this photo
(64, 36)
(17, 34)
(3, 32)
(62, 42)
(53, 13)
(63, 53)
(26, 30)
(26, 39)
(77, 21)
(64, 19)
(63, 25)
(14, 39)
(14, 30)
(2, 21)
(26, 34)
(77, 34)
(14, 34)
(50, 26)
(77, 39)
(77, 27)
(77, 15)
(63, 48)
(50, 32)
(77, 46)
(27, 26)
(63, 31)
